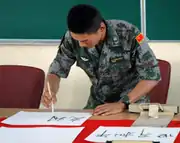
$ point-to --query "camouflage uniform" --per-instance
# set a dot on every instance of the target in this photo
(114, 66)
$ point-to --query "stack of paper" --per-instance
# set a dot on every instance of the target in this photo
(43, 134)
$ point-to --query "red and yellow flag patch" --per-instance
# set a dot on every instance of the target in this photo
(140, 38)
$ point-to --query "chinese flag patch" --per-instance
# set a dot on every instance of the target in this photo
(140, 38)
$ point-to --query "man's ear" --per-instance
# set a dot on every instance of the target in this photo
(102, 27)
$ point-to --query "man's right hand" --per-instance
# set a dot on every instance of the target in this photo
(47, 99)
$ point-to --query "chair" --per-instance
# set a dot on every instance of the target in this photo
(20, 86)
(159, 94)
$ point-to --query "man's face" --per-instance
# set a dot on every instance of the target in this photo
(89, 40)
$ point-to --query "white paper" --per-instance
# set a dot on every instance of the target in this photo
(39, 135)
(48, 118)
(164, 135)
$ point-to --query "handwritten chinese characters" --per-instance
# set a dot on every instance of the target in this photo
(164, 135)
(48, 118)
(70, 118)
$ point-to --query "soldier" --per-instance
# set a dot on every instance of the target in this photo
(115, 56)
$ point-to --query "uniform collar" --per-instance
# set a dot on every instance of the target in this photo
(112, 36)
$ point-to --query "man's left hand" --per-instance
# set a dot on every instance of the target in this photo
(109, 109)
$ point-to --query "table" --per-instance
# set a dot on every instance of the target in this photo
(122, 119)
(6, 112)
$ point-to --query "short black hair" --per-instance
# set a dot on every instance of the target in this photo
(84, 18)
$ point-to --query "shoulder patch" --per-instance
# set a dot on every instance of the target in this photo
(140, 38)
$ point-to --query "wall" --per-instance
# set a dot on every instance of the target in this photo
(73, 92)
(45, 19)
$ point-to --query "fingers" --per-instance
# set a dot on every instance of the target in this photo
(110, 112)
(107, 112)
(47, 99)
(108, 109)
(100, 112)
(101, 109)
(45, 102)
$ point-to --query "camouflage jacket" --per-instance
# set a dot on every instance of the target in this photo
(114, 66)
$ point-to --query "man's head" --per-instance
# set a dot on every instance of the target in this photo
(86, 25)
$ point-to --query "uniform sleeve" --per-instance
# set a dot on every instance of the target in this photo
(64, 59)
(145, 61)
